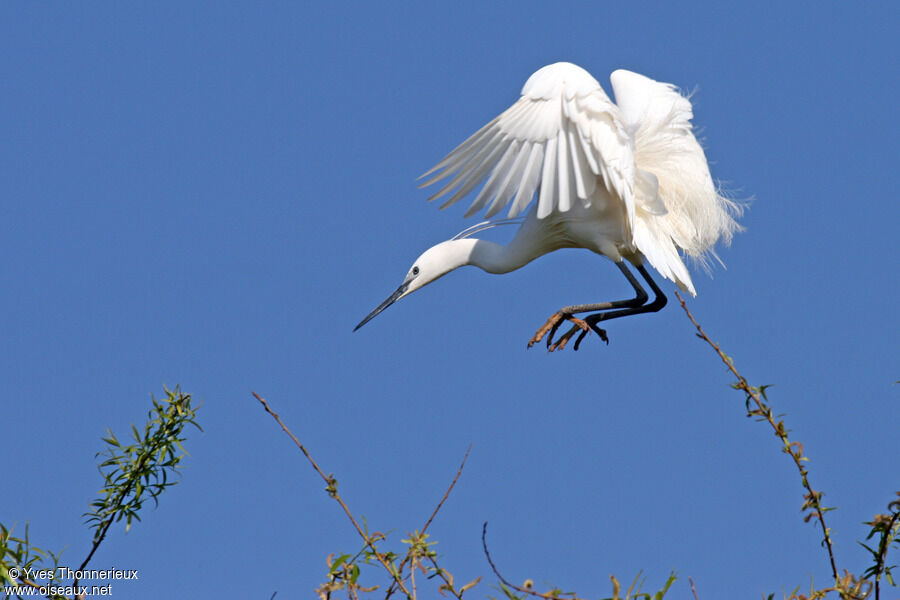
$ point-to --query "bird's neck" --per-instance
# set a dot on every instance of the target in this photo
(491, 257)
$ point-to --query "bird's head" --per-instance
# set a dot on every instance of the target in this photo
(434, 263)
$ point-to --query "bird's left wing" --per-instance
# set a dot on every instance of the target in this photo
(562, 136)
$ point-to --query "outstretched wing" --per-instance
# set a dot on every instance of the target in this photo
(562, 137)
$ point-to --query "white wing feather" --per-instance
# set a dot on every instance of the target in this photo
(562, 137)
(665, 149)
(678, 204)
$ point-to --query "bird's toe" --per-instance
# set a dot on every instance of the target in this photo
(552, 323)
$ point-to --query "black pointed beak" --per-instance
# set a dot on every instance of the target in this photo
(390, 300)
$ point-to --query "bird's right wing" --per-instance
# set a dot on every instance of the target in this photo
(561, 137)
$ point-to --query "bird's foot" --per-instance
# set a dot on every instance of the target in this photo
(552, 324)
(597, 330)
(578, 325)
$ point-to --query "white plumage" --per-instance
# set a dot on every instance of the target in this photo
(562, 134)
(629, 181)
(564, 137)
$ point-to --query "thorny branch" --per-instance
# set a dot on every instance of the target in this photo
(794, 449)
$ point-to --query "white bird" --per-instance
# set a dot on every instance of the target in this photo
(628, 181)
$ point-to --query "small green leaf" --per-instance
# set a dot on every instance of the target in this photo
(338, 562)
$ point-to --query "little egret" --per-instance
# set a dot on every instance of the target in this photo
(628, 181)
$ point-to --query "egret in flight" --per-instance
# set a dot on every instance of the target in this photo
(626, 180)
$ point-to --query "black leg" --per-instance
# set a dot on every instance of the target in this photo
(659, 301)
(639, 299)
(566, 313)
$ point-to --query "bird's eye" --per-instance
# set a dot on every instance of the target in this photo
(415, 271)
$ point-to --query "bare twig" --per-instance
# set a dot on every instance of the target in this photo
(693, 589)
(331, 488)
(430, 519)
(795, 449)
(449, 489)
(507, 583)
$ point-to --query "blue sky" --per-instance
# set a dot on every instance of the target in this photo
(214, 194)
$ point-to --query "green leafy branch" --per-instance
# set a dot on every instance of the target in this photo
(19, 553)
(132, 474)
(141, 470)
(887, 528)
